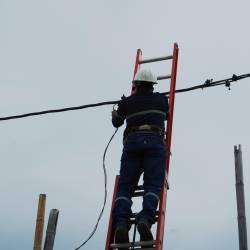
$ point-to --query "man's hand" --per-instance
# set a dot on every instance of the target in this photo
(117, 120)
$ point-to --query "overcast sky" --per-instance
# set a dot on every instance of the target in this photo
(56, 54)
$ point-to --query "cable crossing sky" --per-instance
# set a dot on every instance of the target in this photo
(208, 83)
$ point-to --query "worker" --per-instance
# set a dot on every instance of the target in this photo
(144, 152)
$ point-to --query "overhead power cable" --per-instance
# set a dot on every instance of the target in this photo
(208, 83)
(57, 110)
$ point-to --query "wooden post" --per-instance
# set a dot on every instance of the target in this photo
(242, 227)
(40, 222)
(51, 229)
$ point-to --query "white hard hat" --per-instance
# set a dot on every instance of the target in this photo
(144, 75)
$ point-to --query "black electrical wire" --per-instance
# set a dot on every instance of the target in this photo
(207, 84)
(57, 110)
(105, 193)
(210, 83)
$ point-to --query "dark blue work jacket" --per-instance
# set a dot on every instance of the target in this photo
(142, 108)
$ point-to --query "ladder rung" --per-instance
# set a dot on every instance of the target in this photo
(138, 194)
(139, 191)
(140, 187)
(132, 219)
(156, 59)
(133, 215)
(163, 77)
(130, 244)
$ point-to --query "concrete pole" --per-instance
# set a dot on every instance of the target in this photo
(242, 227)
(51, 230)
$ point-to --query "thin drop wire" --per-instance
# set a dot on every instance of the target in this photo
(105, 193)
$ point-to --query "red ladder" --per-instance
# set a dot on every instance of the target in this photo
(160, 220)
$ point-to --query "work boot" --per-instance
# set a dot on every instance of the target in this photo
(144, 230)
(121, 235)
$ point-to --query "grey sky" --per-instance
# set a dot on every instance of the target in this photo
(64, 53)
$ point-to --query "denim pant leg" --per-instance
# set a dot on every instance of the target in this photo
(131, 169)
(154, 163)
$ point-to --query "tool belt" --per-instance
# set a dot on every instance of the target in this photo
(143, 129)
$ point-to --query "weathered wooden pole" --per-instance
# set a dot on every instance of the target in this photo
(51, 229)
(242, 226)
(40, 222)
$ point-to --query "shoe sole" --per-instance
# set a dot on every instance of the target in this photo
(121, 236)
(145, 232)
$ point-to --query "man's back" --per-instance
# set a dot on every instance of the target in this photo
(143, 108)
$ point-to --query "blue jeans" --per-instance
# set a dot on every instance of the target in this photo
(142, 153)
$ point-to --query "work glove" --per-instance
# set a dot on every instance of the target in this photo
(114, 114)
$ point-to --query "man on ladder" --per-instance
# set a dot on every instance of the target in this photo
(144, 152)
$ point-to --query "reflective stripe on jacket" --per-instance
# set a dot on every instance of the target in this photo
(140, 109)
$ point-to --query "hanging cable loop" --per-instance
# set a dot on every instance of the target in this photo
(105, 192)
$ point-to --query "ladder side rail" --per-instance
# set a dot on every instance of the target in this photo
(161, 218)
(156, 59)
(136, 68)
(110, 231)
(171, 105)
(163, 197)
